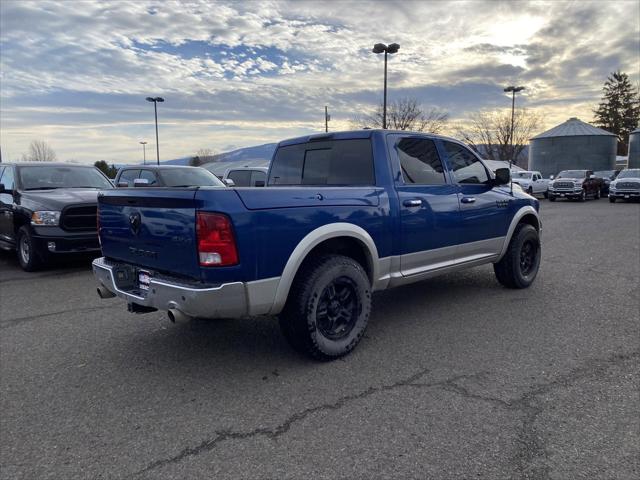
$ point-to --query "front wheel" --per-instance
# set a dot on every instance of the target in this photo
(530, 191)
(582, 197)
(597, 195)
(546, 194)
(28, 257)
(552, 198)
(612, 199)
(328, 307)
(519, 265)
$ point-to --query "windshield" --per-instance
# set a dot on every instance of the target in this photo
(572, 174)
(526, 175)
(50, 177)
(633, 173)
(189, 177)
(605, 174)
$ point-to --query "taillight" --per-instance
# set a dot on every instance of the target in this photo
(216, 243)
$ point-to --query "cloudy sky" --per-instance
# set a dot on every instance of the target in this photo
(76, 73)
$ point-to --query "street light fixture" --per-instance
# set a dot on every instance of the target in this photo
(155, 101)
(513, 91)
(144, 152)
(388, 50)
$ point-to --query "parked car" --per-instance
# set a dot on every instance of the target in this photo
(575, 185)
(607, 177)
(247, 176)
(626, 186)
(165, 176)
(531, 182)
(343, 215)
(49, 209)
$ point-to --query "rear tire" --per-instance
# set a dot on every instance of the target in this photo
(328, 307)
(30, 260)
(519, 265)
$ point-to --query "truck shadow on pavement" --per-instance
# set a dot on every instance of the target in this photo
(399, 316)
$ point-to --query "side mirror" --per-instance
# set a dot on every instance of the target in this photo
(259, 183)
(551, 177)
(140, 182)
(503, 176)
(122, 184)
(229, 183)
(592, 176)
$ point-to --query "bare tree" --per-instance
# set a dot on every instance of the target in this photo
(404, 114)
(39, 151)
(202, 156)
(489, 133)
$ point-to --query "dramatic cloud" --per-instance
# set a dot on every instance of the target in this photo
(241, 73)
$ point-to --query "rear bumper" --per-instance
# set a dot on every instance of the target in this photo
(227, 300)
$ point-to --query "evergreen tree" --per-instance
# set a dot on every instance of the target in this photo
(619, 110)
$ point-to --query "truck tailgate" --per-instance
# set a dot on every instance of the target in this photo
(154, 228)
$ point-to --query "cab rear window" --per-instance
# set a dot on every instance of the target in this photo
(334, 162)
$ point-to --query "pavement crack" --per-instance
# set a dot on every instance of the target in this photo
(272, 433)
(17, 321)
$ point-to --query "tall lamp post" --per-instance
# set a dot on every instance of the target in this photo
(513, 91)
(144, 152)
(379, 48)
(155, 101)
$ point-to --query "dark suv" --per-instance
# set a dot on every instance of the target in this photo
(166, 176)
(576, 185)
(49, 209)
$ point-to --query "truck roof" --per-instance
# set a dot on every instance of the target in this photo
(350, 134)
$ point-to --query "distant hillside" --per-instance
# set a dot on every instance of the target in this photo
(259, 152)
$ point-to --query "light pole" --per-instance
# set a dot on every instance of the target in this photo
(155, 101)
(327, 117)
(513, 91)
(144, 152)
(379, 48)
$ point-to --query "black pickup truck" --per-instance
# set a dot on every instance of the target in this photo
(49, 209)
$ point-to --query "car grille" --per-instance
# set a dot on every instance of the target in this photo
(567, 185)
(628, 186)
(80, 218)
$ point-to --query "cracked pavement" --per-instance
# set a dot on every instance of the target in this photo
(455, 378)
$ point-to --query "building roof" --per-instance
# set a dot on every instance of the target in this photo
(573, 128)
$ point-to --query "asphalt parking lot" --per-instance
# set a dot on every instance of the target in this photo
(457, 377)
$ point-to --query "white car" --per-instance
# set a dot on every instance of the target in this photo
(531, 182)
(626, 185)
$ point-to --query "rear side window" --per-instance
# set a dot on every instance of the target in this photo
(242, 178)
(465, 165)
(333, 162)
(420, 162)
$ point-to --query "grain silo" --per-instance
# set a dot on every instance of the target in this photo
(572, 145)
(634, 149)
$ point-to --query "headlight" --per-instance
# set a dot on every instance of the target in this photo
(612, 186)
(44, 217)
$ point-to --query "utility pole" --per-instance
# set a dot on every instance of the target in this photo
(155, 101)
(144, 152)
(327, 117)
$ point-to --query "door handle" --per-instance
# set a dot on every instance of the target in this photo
(468, 199)
(416, 202)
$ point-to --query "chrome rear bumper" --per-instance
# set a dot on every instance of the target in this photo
(228, 300)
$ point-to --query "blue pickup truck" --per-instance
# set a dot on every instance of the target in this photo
(342, 215)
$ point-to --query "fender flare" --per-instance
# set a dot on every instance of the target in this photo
(520, 214)
(309, 242)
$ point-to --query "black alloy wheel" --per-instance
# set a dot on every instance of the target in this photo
(336, 312)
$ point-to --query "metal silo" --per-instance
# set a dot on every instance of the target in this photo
(572, 145)
(634, 149)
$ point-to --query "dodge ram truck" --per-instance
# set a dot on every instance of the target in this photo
(342, 215)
